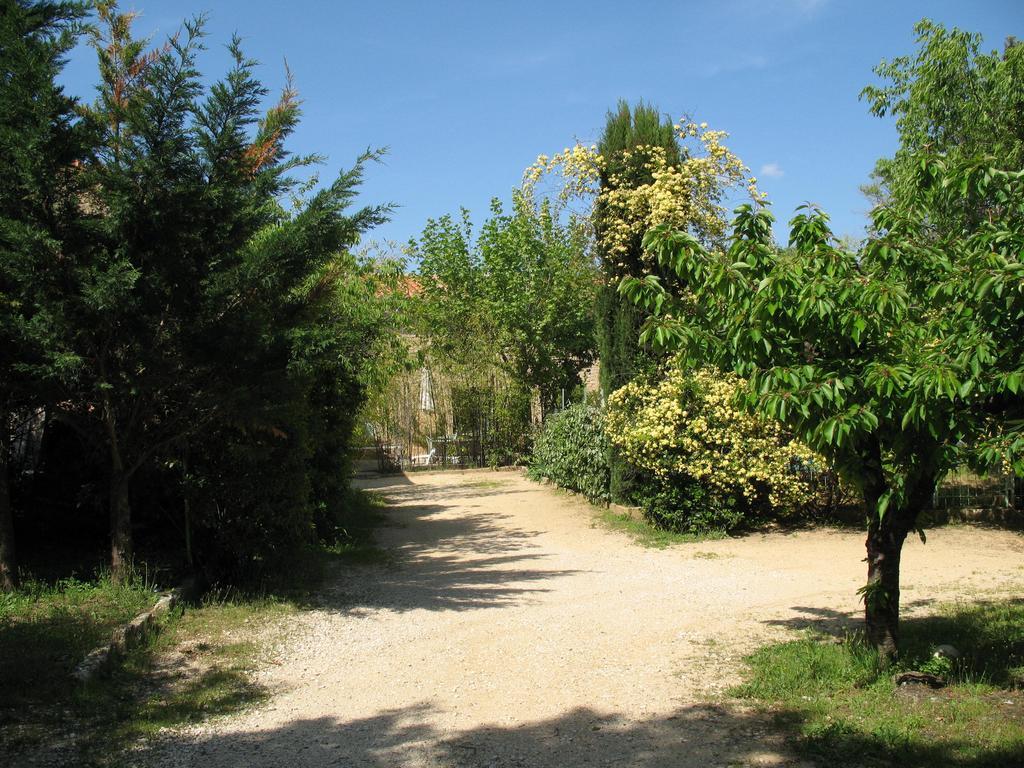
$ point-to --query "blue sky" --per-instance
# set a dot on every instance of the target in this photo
(465, 95)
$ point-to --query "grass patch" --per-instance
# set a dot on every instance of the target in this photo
(354, 544)
(199, 665)
(483, 484)
(649, 535)
(845, 710)
(704, 555)
(47, 628)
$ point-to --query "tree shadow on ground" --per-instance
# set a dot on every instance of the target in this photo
(970, 626)
(475, 560)
(691, 737)
(823, 620)
(706, 735)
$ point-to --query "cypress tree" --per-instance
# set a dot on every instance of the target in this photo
(618, 320)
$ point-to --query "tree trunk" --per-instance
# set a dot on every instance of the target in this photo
(120, 526)
(8, 562)
(120, 507)
(187, 509)
(882, 592)
(886, 534)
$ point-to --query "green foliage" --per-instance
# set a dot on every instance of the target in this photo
(538, 291)
(39, 142)
(507, 437)
(683, 505)
(212, 335)
(953, 100)
(39, 145)
(571, 450)
(519, 298)
(841, 701)
(915, 345)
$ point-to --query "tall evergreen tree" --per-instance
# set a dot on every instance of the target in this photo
(41, 144)
(618, 320)
(201, 283)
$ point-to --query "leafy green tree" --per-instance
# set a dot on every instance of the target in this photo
(903, 359)
(949, 98)
(40, 143)
(293, 351)
(538, 286)
(449, 312)
(163, 158)
(520, 296)
(897, 362)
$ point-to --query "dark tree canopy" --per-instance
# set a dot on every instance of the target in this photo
(41, 145)
(172, 294)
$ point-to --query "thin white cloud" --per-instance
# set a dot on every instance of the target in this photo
(772, 171)
(809, 6)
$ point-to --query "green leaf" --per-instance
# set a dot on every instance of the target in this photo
(883, 504)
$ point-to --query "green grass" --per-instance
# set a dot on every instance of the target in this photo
(844, 710)
(355, 544)
(704, 555)
(648, 535)
(198, 665)
(483, 484)
(46, 629)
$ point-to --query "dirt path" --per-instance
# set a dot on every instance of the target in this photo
(513, 631)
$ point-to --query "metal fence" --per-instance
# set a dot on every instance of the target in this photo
(960, 491)
(964, 490)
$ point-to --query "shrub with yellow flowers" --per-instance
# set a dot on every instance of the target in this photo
(707, 463)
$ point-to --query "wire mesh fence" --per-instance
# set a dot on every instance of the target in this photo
(960, 491)
(965, 490)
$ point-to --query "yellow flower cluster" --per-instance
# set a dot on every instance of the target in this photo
(687, 424)
(686, 194)
(580, 168)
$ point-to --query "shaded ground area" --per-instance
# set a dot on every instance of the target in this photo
(507, 629)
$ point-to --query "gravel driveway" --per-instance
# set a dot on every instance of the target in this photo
(511, 630)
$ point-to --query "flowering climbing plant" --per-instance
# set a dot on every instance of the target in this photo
(684, 190)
